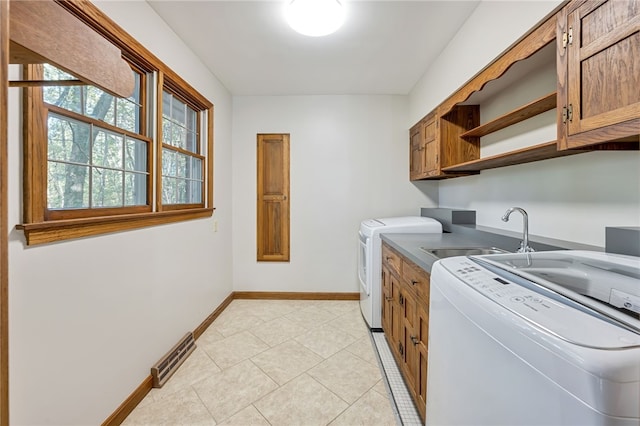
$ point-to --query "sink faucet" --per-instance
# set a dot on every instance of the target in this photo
(524, 245)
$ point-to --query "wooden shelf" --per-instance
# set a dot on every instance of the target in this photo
(529, 110)
(543, 151)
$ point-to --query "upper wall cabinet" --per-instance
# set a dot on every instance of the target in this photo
(458, 130)
(436, 142)
(45, 32)
(598, 73)
(589, 53)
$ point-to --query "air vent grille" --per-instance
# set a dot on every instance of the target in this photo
(168, 364)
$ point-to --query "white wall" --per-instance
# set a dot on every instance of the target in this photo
(89, 317)
(572, 198)
(349, 162)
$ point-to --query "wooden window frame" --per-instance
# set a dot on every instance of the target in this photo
(164, 84)
(38, 133)
(40, 228)
(4, 211)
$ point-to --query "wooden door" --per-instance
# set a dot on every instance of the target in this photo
(273, 197)
(602, 73)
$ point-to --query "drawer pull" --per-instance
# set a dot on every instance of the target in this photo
(414, 282)
(388, 299)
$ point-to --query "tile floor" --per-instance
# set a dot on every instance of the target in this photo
(276, 362)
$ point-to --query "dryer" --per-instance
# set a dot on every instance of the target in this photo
(370, 258)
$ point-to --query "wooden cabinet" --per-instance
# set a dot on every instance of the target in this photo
(599, 73)
(416, 154)
(436, 142)
(405, 320)
(431, 152)
(422, 334)
(594, 52)
(386, 299)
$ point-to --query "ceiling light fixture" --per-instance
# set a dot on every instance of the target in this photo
(314, 18)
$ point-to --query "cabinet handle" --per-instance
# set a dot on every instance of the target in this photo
(414, 282)
(414, 340)
(388, 299)
(401, 300)
(400, 348)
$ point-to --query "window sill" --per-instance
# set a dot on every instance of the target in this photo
(47, 232)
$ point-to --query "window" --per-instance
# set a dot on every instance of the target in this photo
(95, 163)
(182, 164)
(97, 154)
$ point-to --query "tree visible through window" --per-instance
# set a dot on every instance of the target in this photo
(182, 164)
(95, 163)
(90, 164)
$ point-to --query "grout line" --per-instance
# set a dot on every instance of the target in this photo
(322, 360)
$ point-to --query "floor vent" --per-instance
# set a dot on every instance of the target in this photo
(168, 364)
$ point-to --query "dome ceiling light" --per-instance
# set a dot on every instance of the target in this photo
(314, 18)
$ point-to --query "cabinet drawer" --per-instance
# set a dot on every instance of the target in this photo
(417, 279)
(391, 259)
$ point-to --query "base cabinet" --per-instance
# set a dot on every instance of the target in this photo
(422, 334)
(405, 320)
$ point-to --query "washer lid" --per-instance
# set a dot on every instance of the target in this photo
(406, 221)
(417, 224)
(604, 283)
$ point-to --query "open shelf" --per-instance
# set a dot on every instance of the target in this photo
(543, 151)
(529, 110)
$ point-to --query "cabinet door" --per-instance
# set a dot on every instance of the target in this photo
(422, 336)
(602, 73)
(408, 338)
(395, 316)
(416, 162)
(431, 147)
(387, 301)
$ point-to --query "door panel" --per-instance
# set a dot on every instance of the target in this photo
(603, 64)
(273, 198)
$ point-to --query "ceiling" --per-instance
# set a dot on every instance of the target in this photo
(383, 47)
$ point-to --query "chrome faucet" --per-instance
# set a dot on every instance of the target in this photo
(524, 244)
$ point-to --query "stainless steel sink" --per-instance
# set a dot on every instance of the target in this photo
(461, 251)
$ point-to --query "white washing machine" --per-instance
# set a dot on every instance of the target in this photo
(546, 338)
(370, 257)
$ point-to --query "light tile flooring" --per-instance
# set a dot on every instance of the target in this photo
(276, 362)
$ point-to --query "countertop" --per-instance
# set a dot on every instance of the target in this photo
(469, 236)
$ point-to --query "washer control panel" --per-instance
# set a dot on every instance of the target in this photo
(499, 289)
